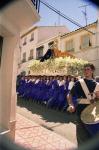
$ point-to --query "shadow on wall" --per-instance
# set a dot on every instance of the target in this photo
(1, 43)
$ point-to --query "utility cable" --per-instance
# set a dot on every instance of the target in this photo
(64, 16)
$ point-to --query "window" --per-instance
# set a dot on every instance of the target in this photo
(24, 57)
(50, 44)
(31, 54)
(39, 52)
(24, 43)
(69, 45)
(32, 37)
(85, 41)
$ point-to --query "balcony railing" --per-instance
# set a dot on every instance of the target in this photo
(36, 4)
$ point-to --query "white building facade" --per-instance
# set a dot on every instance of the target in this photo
(36, 41)
(14, 19)
(83, 44)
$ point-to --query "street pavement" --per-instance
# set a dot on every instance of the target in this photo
(62, 123)
(32, 136)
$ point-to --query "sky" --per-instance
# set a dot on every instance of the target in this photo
(71, 8)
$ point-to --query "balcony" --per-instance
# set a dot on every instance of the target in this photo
(21, 13)
(36, 4)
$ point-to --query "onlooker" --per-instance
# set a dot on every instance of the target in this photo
(78, 91)
(85, 90)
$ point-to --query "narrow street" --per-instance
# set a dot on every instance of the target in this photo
(59, 122)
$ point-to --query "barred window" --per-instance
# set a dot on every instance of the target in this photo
(24, 42)
(85, 41)
(69, 45)
(50, 44)
(32, 37)
(39, 52)
(24, 57)
(31, 55)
